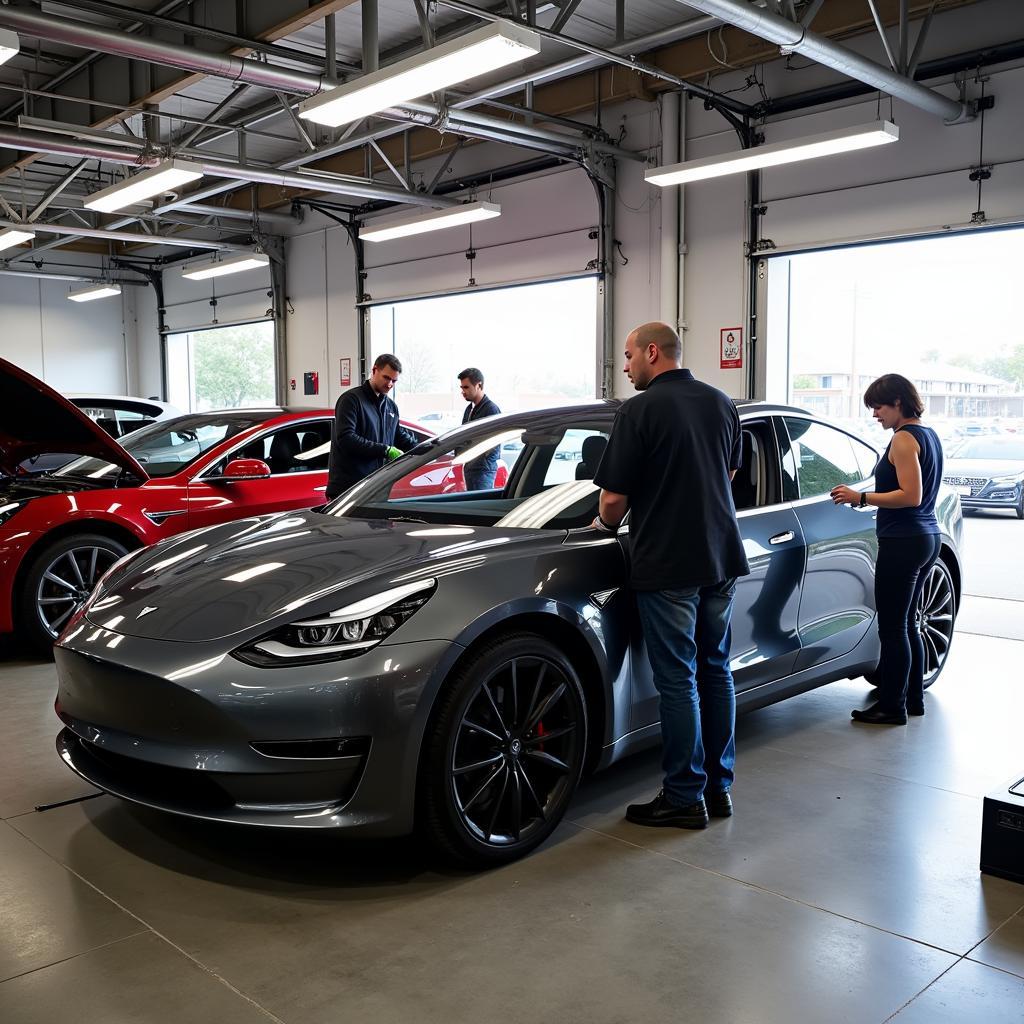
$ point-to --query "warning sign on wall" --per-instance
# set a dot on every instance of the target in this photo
(732, 348)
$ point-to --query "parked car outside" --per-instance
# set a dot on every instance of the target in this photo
(455, 660)
(61, 530)
(988, 472)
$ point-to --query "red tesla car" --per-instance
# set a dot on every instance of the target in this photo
(61, 530)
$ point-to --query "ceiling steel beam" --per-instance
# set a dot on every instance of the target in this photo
(123, 13)
(120, 236)
(40, 208)
(166, 8)
(797, 39)
(186, 58)
(610, 56)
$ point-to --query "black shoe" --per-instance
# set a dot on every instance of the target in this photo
(661, 812)
(719, 804)
(917, 710)
(877, 715)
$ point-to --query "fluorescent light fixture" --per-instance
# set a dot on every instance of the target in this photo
(165, 176)
(100, 290)
(10, 44)
(842, 140)
(476, 53)
(231, 265)
(14, 236)
(435, 220)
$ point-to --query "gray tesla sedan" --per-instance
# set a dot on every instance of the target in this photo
(414, 654)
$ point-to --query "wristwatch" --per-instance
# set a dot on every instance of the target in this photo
(863, 499)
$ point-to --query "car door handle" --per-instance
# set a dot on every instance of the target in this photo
(782, 538)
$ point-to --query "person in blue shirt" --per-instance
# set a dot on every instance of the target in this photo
(907, 480)
(480, 473)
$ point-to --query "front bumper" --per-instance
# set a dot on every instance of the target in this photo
(180, 739)
(1011, 501)
(992, 496)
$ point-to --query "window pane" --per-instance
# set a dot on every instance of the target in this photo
(536, 346)
(222, 368)
(824, 457)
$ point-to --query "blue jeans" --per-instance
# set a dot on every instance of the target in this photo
(688, 634)
(480, 479)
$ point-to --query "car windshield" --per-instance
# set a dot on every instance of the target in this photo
(169, 446)
(523, 471)
(990, 448)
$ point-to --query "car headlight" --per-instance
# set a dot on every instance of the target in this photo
(343, 633)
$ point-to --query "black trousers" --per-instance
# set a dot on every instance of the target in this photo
(903, 564)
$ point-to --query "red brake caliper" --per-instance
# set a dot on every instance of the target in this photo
(540, 732)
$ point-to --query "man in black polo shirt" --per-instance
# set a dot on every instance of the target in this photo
(367, 432)
(480, 473)
(672, 453)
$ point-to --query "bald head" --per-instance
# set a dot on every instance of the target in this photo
(650, 350)
(657, 333)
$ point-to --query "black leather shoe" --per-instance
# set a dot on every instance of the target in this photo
(661, 812)
(877, 715)
(917, 710)
(719, 804)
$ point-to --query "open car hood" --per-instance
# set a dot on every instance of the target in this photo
(36, 420)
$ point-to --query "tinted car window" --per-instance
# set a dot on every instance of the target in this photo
(867, 459)
(824, 457)
(547, 488)
(752, 486)
(167, 447)
(296, 448)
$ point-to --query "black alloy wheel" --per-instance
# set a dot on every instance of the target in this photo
(936, 617)
(1019, 508)
(506, 752)
(60, 580)
(936, 614)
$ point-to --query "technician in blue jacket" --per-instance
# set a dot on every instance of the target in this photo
(367, 432)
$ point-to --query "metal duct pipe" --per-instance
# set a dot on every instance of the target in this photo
(473, 120)
(43, 142)
(74, 278)
(116, 236)
(764, 23)
(185, 58)
(341, 184)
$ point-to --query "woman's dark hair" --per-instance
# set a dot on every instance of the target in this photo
(892, 389)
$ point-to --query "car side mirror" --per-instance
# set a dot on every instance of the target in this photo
(244, 469)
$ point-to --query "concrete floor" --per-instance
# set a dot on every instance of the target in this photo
(846, 888)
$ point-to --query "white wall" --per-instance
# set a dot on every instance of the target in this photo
(74, 347)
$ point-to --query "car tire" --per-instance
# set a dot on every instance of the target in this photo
(937, 616)
(504, 752)
(1020, 505)
(58, 581)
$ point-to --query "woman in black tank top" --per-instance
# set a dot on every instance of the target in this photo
(907, 480)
